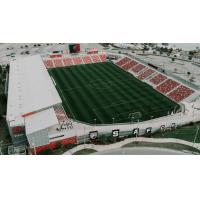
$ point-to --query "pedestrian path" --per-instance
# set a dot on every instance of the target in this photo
(117, 145)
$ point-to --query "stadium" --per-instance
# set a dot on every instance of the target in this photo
(73, 97)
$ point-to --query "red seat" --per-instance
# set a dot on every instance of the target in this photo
(123, 61)
(58, 63)
(95, 58)
(167, 86)
(87, 59)
(158, 79)
(145, 74)
(48, 63)
(103, 57)
(180, 93)
(67, 62)
(77, 60)
(138, 68)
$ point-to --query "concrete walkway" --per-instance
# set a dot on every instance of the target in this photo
(101, 148)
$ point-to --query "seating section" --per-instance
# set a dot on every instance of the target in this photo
(180, 93)
(95, 58)
(67, 61)
(145, 74)
(138, 68)
(156, 80)
(77, 60)
(129, 65)
(87, 59)
(48, 64)
(60, 114)
(103, 57)
(58, 63)
(123, 61)
(167, 86)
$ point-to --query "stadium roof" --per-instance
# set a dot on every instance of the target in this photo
(30, 88)
(40, 121)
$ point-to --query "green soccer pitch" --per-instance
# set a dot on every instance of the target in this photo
(102, 93)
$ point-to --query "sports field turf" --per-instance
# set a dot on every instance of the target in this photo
(103, 91)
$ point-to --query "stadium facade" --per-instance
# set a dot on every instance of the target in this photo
(35, 114)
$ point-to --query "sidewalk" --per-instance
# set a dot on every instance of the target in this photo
(100, 148)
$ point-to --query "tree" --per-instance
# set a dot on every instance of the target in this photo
(191, 53)
(189, 57)
(170, 50)
(188, 73)
(173, 59)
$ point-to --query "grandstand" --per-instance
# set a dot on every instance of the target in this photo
(145, 74)
(180, 93)
(161, 82)
(138, 68)
(67, 61)
(77, 60)
(58, 63)
(95, 58)
(156, 80)
(167, 86)
(87, 59)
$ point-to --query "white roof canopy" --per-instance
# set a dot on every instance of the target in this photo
(40, 121)
(30, 87)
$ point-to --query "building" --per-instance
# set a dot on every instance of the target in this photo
(32, 99)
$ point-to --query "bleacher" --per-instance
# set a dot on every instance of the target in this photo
(95, 58)
(167, 86)
(162, 83)
(138, 68)
(180, 93)
(103, 57)
(60, 114)
(156, 80)
(145, 74)
(48, 64)
(67, 61)
(58, 63)
(77, 60)
(129, 65)
(123, 61)
(87, 59)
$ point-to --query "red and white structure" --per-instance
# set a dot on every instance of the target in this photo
(32, 98)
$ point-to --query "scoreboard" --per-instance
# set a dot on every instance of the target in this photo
(74, 48)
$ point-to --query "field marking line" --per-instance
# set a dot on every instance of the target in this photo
(114, 104)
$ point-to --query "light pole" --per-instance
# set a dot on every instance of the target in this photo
(84, 137)
(137, 126)
(95, 120)
(113, 120)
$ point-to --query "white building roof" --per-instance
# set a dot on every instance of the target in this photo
(40, 121)
(30, 88)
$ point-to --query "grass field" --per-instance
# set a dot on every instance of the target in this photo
(189, 133)
(103, 91)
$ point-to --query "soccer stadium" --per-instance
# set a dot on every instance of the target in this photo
(78, 96)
